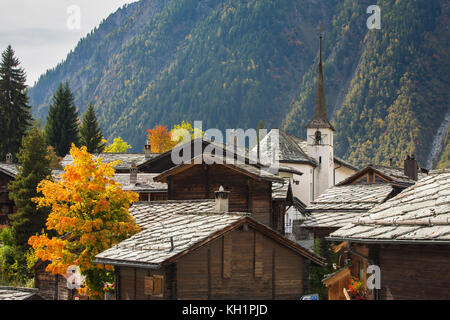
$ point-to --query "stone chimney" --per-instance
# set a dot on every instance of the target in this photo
(411, 168)
(148, 150)
(222, 200)
(9, 158)
(133, 173)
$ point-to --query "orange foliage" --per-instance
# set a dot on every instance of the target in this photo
(89, 213)
(160, 139)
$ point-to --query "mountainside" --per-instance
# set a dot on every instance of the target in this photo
(232, 63)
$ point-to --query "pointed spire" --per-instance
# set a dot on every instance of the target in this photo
(320, 119)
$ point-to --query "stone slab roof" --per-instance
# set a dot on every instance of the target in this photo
(330, 219)
(421, 213)
(289, 150)
(186, 223)
(351, 197)
(148, 213)
(9, 169)
(12, 293)
(397, 174)
(340, 205)
(145, 182)
(170, 228)
(280, 189)
(253, 170)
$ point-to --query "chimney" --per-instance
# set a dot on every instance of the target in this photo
(148, 150)
(411, 167)
(9, 158)
(133, 173)
(222, 200)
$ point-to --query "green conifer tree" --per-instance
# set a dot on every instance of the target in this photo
(61, 128)
(90, 133)
(15, 114)
(34, 163)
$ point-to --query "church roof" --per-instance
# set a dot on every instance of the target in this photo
(320, 119)
(289, 150)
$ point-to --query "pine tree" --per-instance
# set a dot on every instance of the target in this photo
(90, 133)
(61, 128)
(34, 166)
(15, 114)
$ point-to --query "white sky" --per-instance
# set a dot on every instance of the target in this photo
(38, 29)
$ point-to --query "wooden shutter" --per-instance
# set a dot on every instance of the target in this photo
(148, 286)
(227, 255)
(158, 285)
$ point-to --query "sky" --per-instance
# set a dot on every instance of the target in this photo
(42, 32)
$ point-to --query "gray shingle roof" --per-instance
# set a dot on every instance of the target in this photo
(12, 293)
(9, 169)
(186, 222)
(340, 205)
(353, 197)
(280, 189)
(262, 173)
(288, 149)
(145, 182)
(420, 213)
(292, 149)
(397, 174)
(147, 213)
(126, 158)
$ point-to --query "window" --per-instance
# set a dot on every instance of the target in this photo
(154, 286)
(318, 138)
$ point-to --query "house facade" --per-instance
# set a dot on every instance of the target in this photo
(408, 238)
(192, 249)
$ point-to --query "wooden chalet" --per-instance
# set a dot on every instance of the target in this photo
(50, 286)
(408, 237)
(250, 187)
(8, 172)
(196, 249)
(353, 197)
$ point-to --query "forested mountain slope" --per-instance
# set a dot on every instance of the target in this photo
(232, 63)
(398, 91)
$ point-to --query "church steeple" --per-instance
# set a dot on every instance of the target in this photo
(320, 119)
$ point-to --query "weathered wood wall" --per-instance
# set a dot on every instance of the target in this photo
(51, 287)
(246, 194)
(242, 265)
(414, 272)
(7, 206)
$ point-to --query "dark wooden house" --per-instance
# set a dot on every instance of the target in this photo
(353, 197)
(408, 238)
(8, 172)
(51, 286)
(249, 186)
(194, 249)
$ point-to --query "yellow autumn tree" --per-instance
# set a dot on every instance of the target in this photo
(89, 213)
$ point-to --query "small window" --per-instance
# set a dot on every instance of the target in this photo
(361, 271)
(154, 286)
